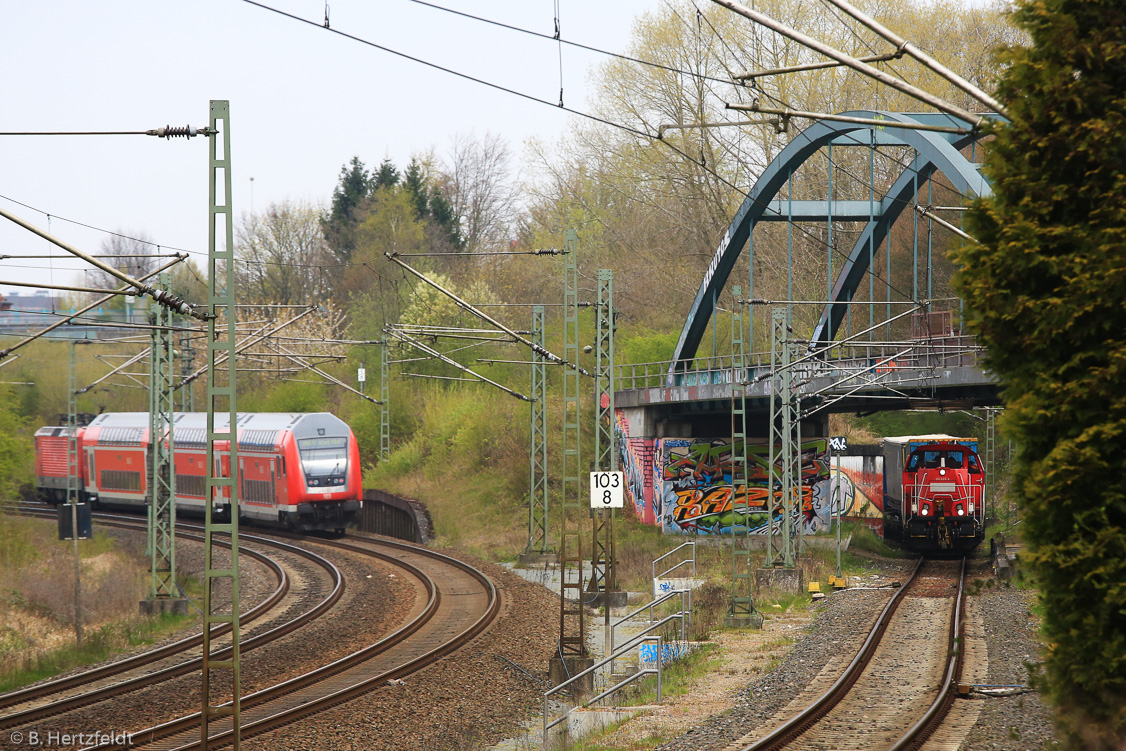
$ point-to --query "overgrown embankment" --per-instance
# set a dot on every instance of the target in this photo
(37, 602)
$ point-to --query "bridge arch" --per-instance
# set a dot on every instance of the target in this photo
(934, 151)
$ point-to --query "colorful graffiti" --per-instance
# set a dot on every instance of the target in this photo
(699, 495)
(686, 485)
(635, 454)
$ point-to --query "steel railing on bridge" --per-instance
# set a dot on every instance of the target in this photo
(846, 362)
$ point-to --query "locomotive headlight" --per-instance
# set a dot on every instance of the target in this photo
(961, 511)
(942, 472)
(925, 510)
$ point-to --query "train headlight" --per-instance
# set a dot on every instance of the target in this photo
(942, 472)
(926, 510)
(314, 482)
(961, 511)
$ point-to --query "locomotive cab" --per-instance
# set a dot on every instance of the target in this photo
(327, 488)
(942, 492)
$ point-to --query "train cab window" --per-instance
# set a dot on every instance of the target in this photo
(954, 459)
(932, 459)
(975, 469)
(913, 462)
(324, 460)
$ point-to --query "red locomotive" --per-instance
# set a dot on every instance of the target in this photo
(297, 470)
(941, 493)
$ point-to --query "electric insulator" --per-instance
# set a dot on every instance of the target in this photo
(175, 132)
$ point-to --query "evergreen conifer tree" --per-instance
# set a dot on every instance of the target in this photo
(1045, 291)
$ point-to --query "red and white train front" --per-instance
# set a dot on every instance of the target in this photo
(324, 492)
(943, 493)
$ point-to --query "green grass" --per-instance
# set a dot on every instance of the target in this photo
(98, 644)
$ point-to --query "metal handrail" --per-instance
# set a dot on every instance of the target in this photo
(691, 544)
(927, 352)
(613, 655)
(649, 606)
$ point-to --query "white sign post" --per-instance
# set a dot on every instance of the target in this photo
(606, 489)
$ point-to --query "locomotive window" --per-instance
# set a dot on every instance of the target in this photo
(974, 468)
(954, 459)
(322, 457)
(931, 459)
(913, 462)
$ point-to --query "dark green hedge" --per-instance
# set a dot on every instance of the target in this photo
(1046, 291)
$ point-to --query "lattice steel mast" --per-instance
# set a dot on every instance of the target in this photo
(572, 623)
(742, 605)
(221, 489)
(162, 480)
(604, 572)
(537, 481)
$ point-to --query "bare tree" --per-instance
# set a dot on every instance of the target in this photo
(478, 185)
(282, 255)
(131, 252)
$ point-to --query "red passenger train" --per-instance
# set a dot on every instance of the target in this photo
(939, 502)
(297, 470)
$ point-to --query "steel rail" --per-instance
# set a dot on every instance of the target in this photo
(781, 736)
(915, 737)
(918, 733)
(67, 704)
(248, 729)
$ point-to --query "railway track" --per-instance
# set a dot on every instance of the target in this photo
(897, 689)
(459, 603)
(35, 704)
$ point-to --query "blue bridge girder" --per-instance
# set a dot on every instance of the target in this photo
(934, 151)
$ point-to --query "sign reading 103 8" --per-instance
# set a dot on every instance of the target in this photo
(606, 490)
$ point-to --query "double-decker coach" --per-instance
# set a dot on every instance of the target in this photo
(296, 469)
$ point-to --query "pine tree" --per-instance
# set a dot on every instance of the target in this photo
(415, 183)
(339, 228)
(386, 177)
(1046, 292)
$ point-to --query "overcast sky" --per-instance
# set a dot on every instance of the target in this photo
(303, 102)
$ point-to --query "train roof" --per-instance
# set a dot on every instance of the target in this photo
(257, 430)
(53, 430)
(932, 438)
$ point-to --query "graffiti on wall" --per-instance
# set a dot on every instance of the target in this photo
(699, 494)
(686, 485)
(635, 455)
